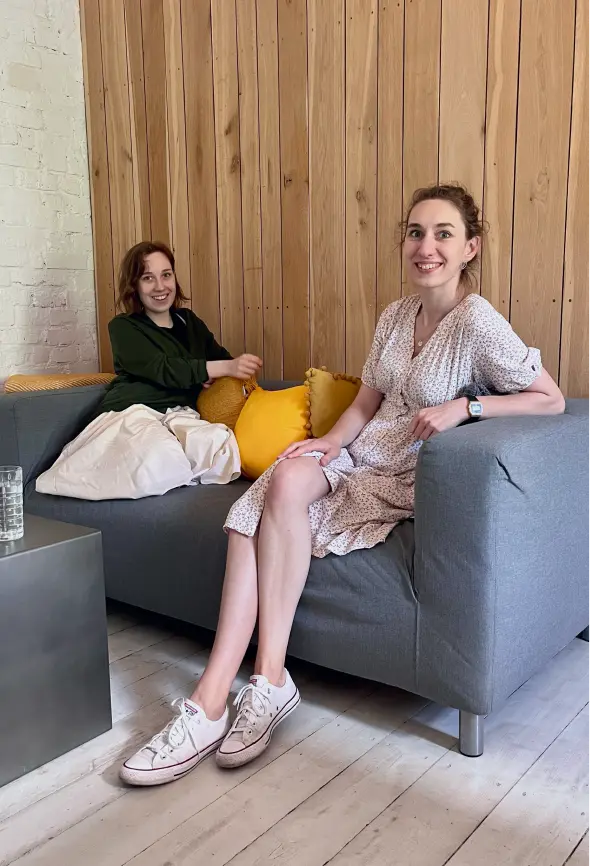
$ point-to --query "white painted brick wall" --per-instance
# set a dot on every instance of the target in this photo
(47, 301)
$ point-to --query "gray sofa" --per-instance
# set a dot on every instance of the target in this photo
(461, 605)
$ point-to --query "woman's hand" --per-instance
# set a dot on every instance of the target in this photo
(243, 367)
(434, 419)
(329, 448)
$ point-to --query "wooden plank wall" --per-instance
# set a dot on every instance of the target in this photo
(274, 142)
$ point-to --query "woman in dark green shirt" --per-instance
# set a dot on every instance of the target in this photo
(163, 354)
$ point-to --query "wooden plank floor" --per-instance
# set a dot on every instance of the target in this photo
(360, 774)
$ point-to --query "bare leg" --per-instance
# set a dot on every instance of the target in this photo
(284, 554)
(237, 618)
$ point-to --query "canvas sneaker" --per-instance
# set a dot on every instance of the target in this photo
(261, 707)
(181, 745)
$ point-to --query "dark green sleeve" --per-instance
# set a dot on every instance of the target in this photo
(214, 351)
(136, 353)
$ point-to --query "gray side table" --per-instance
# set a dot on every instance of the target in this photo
(54, 666)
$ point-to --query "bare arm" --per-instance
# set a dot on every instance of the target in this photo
(543, 397)
(357, 416)
(346, 429)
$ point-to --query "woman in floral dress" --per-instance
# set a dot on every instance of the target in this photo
(349, 489)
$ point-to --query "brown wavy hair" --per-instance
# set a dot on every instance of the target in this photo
(475, 226)
(133, 267)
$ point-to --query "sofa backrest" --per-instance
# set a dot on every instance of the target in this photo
(36, 425)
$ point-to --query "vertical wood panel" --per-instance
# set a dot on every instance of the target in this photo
(177, 156)
(421, 94)
(361, 180)
(464, 39)
(270, 186)
(250, 170)
(139, 148)
(229, 196)
(545, 86)
(390, 151)
(421, 99)
(326, 29)
(292, 29)
(500, 151)
(154, 47)
(99, 176)
(114, 50)
(201, 168)
(279, 173)
(573, 374)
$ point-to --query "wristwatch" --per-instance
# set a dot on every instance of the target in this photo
(474, 408)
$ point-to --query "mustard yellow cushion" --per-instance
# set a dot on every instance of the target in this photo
(224, 400)
(268, 423)
(54, 381)
(330, 394)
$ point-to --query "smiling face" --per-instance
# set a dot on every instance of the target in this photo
(436, 245)
(157, 285)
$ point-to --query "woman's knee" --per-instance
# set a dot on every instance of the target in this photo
(300, 480)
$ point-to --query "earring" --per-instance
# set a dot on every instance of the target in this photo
(463, 265)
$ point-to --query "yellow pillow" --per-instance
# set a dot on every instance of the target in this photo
(54, 381)
(268, 423)
(224, 400)
(330, 395)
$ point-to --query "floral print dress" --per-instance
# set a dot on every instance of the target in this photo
(372, 481)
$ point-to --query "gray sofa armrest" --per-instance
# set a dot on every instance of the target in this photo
(35, 425)
(501, 565)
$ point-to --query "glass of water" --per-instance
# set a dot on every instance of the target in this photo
(11, 503)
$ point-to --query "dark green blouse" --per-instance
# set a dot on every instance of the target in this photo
(156, 368)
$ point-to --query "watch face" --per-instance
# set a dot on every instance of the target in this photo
(475, 409)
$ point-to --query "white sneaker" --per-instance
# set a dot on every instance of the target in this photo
(261, 707)
(184, 743)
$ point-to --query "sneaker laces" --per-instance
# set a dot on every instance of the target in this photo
(175, 733)
(252, 703)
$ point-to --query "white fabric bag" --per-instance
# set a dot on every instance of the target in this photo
(136, 453)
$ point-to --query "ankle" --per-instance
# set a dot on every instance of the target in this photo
(213, 704)
(213, 711)
(275, 674)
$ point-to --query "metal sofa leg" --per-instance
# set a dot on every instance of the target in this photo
(470, 734)
(584, 634)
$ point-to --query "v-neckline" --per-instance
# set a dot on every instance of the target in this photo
(414, 357)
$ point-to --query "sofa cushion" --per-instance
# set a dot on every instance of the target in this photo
(330, 394)
(224, 400)
(269, 422)
(54, 381)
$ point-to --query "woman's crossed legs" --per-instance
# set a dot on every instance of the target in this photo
(264, 579)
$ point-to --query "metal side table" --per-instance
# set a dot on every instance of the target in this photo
(54, 667)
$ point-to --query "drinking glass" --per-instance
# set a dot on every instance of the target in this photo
(11, 503)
